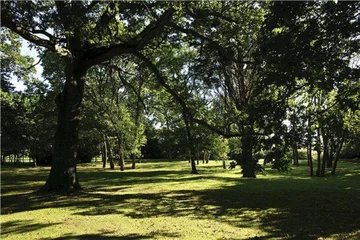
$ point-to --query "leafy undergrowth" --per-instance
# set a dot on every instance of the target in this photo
(161, 200)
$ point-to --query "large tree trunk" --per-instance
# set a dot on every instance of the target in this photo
(247, 162)
(63, 174)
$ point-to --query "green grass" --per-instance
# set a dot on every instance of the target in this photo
(161, 200)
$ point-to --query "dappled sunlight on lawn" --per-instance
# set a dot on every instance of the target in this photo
(164, 201)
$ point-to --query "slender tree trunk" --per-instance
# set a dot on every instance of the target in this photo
(326, 153)
(140, 155)
(133, 163)
(121, 151)
(337, 156)
(104, 152)
(63, 175)
(318, 150)
(309, 146)
(318, 163)
(224, 164)
(110, 153)
(34, 162)
(309, 157)
(207, 157)
(197, 157)
(191, 145)
(332, 150)
(295, 153)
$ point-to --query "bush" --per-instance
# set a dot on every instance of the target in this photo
(350, 150)
(282, 165)
(302, 153)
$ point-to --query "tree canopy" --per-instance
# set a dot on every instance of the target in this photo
(218, 77)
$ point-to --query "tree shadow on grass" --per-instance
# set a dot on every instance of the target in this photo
(155, 235)
(285, 208)
(20, 226)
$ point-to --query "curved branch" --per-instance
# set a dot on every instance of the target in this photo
(41, 58)
(186, 110)
(102, 54)
(27, 34)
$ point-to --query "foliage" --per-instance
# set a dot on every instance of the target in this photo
(239, 79)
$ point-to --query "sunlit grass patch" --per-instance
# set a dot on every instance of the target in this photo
(162, 200)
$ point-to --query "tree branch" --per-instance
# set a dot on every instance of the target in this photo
(101, 54)
(41, 58)
(161, 79)
(26, 33)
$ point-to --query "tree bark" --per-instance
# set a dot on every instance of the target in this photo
(191, 145)
(332, 150)
(224, 164)
(337, 156)
(34, 162)
(246, 162)
(325, 159)
(318, 170)
(63, 175)
(140, 155)
(121, 151)
(133, 164)
(104, 153)
(110, 155)
(309, 157)
(295, 153)
(318, 150)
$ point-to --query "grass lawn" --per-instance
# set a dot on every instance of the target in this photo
(161, 200)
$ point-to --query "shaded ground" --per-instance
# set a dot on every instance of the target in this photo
(163, 201)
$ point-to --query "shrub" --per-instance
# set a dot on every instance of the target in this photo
(350, 150)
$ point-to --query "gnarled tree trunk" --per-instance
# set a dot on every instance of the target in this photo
(247, 163)
(63, 174)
